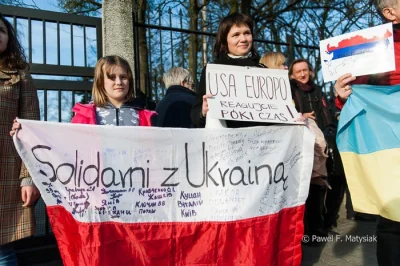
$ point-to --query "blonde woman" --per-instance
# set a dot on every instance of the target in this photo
(113, 97)
(274, 60)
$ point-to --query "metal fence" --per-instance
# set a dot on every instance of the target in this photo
(168, 37)
(62, 50)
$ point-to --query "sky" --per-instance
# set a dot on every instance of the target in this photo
(50, 5)
(51, 37)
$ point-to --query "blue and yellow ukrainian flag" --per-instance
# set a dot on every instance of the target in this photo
(368, 139)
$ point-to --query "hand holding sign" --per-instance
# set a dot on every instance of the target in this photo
(205, 108)
(309, 115)
(342, 87)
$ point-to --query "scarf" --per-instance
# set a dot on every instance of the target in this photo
(305, 87)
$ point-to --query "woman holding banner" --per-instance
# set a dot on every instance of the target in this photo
(234, 46)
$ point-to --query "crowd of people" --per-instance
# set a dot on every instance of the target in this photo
(116, 103)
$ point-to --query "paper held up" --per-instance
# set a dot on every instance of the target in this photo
(250, 94)
(363, 52)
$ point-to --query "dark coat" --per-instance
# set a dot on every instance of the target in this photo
(313, 100)
(174, 109)
(195, 113)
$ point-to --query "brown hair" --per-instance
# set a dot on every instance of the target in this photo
(103, 67)
(310, 67)
(273, 60)
(235, 19)
(13, 56)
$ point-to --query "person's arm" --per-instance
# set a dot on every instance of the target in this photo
(29, 192)
(327, 114)
(84, 114)
(28, 109)
(146, 117)
(343, 89)
(296, 98)
(339, 104)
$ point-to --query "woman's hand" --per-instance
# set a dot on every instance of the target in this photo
(342, 87)
(29, 195)
(300, 118)
(204, 108)
(15, 127)
(309, 115)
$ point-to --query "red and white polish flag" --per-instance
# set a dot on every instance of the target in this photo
(149, 196)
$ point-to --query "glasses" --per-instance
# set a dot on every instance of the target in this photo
(188, 80)
(190, 84)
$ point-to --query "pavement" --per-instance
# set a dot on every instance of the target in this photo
(351, 243)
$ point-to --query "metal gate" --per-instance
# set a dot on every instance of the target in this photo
(62, 50)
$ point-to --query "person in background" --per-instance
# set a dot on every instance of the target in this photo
(174, 109)
(302, 73)
(274, 60)
(113, 97)
(388, 231)
(234, 46)
(18, 98)
(310, 101)
(308, 96)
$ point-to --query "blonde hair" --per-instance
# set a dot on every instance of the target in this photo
(103, 67)
(175, 76)
(273, 60)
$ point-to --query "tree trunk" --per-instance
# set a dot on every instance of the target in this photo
(143, 51)
(234, 6)
(245, 7)
(193, 41)
(204, 20)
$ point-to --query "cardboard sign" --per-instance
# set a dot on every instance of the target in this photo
(250, 94)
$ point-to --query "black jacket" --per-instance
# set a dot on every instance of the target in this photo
(174, 109)
(195, 113)
(313, 100)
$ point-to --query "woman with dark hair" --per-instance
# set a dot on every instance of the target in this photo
(234, 46)
(18, 98)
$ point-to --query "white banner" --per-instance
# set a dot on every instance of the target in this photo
(250, 94)
(140, 174)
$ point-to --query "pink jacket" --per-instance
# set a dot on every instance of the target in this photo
(86, 114)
